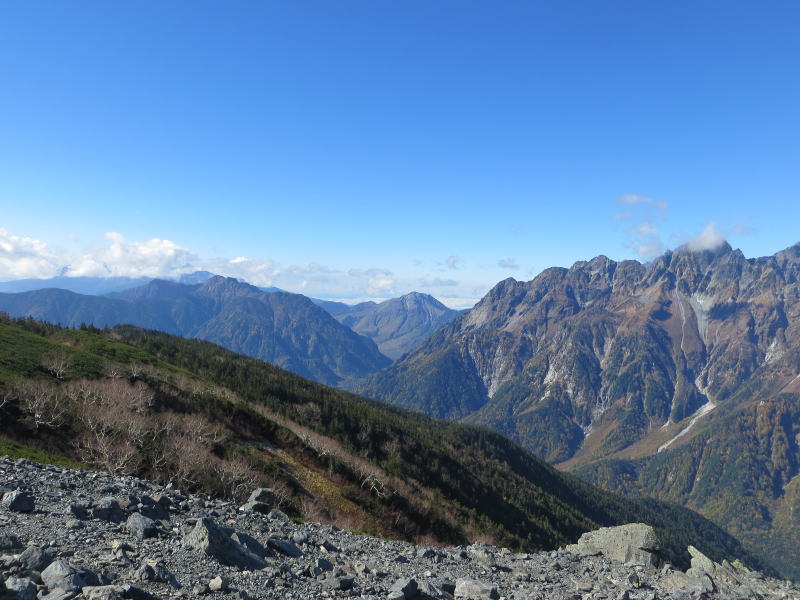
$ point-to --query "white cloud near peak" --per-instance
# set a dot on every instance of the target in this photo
(708, 239)
(122, 258)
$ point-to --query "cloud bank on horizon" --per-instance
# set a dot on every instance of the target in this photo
(27, 257)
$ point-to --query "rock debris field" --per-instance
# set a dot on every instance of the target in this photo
(68, 534)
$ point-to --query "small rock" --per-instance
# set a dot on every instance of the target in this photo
(344, 582)
(285, 547)
(218, 584)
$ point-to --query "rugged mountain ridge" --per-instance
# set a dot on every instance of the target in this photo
(626, 361)
(398, 325)
(286, 329)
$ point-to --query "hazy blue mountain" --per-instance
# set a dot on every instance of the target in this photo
(80, 285)
(398, 325)
(282, 328)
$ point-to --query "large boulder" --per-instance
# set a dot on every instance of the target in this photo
(19, 589)
(18, 501)
(9, 541)
(60, 575)
(108, 509)
(140, 526)
(633, 543)
(475, 590)
(217, 543)
(261, 500)
(35, 558)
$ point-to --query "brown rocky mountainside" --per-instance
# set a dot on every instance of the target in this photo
(635, 362)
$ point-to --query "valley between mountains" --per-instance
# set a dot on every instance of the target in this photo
(678, 379)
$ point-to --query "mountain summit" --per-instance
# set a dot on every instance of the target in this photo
(398, 325)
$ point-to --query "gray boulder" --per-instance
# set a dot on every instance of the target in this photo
(140, 526)
(78, 511)
(206, 537)
(108, 509)
(115, 592)
(35, 559)
(261, 500)
(60, 575)
(18, 501)
(407, 586)
(475, 590)
(634, 543)
(9, 542)
(251, 543)
(20, 589)
(285, 547)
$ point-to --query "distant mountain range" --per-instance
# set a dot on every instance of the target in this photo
(285, 329)
(398, 325)
(679, 379)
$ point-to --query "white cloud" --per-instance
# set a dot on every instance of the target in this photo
(457, 302)
(508, 263)
(23, 257)
(633, 199)
(115, 255)
(708, 239)
(381, 285)
(153, 258)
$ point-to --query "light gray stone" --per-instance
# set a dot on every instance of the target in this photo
(635, 543)
(475, 590)
(60, 575)
(206, 537)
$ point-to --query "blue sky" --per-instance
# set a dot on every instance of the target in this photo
(367, 148)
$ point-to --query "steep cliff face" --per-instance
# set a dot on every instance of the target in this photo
(598, 357)
(678, 379)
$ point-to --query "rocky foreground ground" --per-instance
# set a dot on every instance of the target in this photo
(68, 534)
